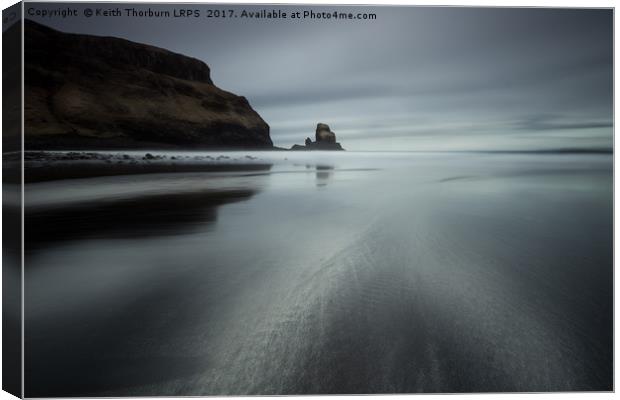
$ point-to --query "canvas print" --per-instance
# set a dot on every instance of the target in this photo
(231, 199)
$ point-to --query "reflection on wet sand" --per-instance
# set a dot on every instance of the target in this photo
(146, 216)
(323, 174)
(138, 206)
(94, 364)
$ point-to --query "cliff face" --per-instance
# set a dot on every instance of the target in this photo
(100, 92)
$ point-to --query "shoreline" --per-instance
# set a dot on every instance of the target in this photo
(42, 166)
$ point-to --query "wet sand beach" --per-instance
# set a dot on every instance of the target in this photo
(324, 273)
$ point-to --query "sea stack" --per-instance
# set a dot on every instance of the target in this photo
(325, 139)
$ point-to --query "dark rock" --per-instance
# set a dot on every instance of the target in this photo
(325, 140)
(324, 134)
(84, 91)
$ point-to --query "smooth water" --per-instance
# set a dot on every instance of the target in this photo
(329, 273)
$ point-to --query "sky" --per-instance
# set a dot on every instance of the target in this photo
(414, 78)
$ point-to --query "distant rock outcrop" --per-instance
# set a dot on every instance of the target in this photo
(84, 91)
(325, 140)
(324, 134)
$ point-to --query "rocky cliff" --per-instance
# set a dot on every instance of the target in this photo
(86, 91)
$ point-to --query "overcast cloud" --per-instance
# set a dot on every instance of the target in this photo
(413, 79)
